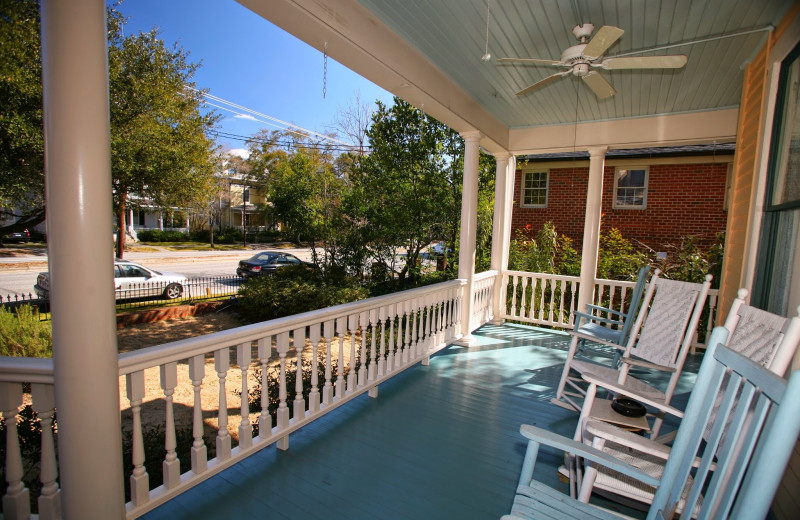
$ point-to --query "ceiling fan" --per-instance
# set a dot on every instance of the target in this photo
(580, 59)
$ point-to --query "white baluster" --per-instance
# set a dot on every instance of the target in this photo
(341, 328)
(299, 336)
(140, 485)
(406, 333)
(16, 501)
(392, 341)
(222, 362)
(44, 403)
(264, 418)
(382, 357)
(171, 467)
(243, 357)
(362, 354)
(514, 312)
(563, 291)
(373, 332)
(283, 409)
(413, 351)
(197, 371)
(313, 396)
(327, 390)
(530, 313)
(352, 325)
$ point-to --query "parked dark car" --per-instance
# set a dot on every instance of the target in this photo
(18, 236)
(267, 263)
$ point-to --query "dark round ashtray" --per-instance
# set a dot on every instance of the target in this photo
(628, 407)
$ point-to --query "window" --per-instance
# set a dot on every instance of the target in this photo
(534, 189)
(246, 195)
(630, 188)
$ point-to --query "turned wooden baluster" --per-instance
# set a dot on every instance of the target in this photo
(373, 332)
(327, 389)
(197, 371)
(171, 467)
(264, 418)
(44, 403)
(16, 501)
(283, 408)
(140, 481)
(299, 336)
(413, 345)
(362, 352)
(222, 362)
(406, 334)
(382, 357)
(244, 354)
(352, 324)
(341, 328)
(313, 396)
(390, 364)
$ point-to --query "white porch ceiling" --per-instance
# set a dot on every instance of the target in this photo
(429, 53)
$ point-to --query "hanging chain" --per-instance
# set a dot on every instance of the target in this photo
(325, 71)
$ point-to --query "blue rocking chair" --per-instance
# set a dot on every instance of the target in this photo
(738, 432)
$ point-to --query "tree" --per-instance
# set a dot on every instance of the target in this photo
(160, 150)
(21, 143)
(409, 184)
(353, 122)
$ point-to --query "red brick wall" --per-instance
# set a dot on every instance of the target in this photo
(682, 199)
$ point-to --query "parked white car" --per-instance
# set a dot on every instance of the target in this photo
(131, 280)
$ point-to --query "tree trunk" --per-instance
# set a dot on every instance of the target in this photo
(121, 233)
(211, 230)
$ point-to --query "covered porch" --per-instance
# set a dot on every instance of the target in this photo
(398, 340)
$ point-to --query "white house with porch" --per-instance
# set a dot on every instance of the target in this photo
(737, 84)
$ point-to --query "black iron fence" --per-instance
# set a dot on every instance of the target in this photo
(144, 294)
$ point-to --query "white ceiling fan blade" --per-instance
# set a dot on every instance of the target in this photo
(599, 85)
(530, 61)
(644, 62)
(542, 83)
(601, 41)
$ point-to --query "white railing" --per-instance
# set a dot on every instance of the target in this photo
(549, 299)
(482, 298)
(15, 375)
(357, 346)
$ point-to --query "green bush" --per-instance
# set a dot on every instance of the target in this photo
(23, 334)
(293, 290)
(158, 235)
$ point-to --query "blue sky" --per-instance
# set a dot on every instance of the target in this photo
(251, 62)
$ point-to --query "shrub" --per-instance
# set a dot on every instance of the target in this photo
(23, 334)
(549, 252)
(617, 258)
(293, 290)
(158, 235)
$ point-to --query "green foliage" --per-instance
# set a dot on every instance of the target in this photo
(293, 290)
(158, 235)
(549, 252)
(618, 259)
(23, 334)
(691, 263)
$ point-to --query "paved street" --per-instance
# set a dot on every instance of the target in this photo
(18, 273)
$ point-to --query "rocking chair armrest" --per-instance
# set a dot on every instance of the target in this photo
(592, 317)
(647, 364)
(538, 435)
(606, 310)
(595, 339)
(620, 388)
(628, 439)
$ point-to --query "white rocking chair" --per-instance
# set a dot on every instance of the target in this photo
(661, 338)
(766, 339)
(725, 463)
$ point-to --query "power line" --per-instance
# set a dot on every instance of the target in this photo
(218, 99)
(312, 146)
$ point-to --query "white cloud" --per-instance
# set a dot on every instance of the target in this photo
(240, 152)
(244, 116)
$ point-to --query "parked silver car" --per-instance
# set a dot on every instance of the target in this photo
(131, 280)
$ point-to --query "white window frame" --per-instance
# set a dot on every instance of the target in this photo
(546, 188)
(617, 171)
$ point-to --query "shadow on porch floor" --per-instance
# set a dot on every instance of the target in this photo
(440, 441)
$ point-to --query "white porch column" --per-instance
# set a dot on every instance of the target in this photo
(501, 226)
(79, 222)
(591, 226)
(469, 223)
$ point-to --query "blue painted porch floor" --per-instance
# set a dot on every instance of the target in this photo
(440, 441)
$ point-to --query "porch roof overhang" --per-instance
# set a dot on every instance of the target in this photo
(428, 53)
